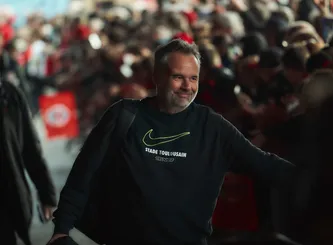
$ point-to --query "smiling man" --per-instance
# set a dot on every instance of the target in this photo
(176, 76)
(161, 184)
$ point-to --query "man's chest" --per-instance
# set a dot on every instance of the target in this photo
(163, 145)
(177, 146)
(171, 159)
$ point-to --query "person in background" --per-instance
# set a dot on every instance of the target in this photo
(274, 31)
(223, 46)
(7, 27)
(10, 68)
(318, 61)
(20, 152)
(313, 207)
(294, 65)
(253, 44)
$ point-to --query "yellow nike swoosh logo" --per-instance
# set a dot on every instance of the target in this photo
(160, 140)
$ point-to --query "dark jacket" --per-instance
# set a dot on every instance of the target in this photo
(90, 160)
(20, 151)
(314, 204)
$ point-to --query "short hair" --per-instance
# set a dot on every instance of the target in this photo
(295, 58)
(233, 21)
(253, 44)
(298, 26)
(285, 13)
(176, 45)
(318, 61)
(270, 58)
(209, 55)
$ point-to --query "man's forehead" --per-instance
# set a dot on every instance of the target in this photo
(188, 71)
(179, 56)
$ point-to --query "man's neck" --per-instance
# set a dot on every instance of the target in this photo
(159, 104)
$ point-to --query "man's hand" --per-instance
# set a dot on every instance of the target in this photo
(55, 237)
(47, 211)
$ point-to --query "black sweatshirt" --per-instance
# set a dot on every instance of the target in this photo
(162, 186)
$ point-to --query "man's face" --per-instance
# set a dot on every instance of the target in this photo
(294, 77)
(177, 81)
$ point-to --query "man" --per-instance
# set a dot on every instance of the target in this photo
(160, 186)
(10, 67)
(19, 151)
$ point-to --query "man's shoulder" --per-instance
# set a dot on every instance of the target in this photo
(129, 104)
(208, 111)
(213, 117)
(208, 116)
(115, 109)
(12, 92)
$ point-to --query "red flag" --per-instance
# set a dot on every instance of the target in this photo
(59, 115)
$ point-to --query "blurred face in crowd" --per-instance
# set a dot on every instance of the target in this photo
(245, 72)
(266, 74)
(177, 81)
(295, 77)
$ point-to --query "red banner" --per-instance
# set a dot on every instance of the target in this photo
(59, 115)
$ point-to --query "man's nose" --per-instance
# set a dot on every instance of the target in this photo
(186, 83)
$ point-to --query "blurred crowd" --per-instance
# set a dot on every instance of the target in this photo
(266, 67)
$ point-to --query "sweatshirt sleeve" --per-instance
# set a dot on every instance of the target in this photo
(244, 157)
(75, 193)
(33, 158)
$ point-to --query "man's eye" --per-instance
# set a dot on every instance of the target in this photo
(177, 77)
(194, 78)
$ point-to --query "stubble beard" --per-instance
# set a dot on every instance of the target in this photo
(177, 104)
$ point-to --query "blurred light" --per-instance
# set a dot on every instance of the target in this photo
(21, 45)
(97, 24)
(75, 7)
(237, 89)
(126, 70)
(128, 59)
(120, 12)
(47, 30)
(285, 44)
(95, 41)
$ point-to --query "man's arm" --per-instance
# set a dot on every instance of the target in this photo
(33, 157)
(76, 190)
(244, 157)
